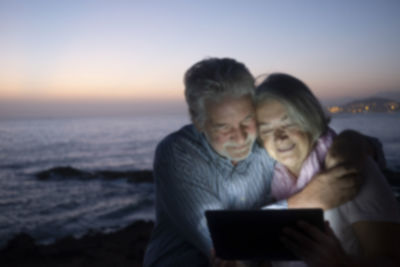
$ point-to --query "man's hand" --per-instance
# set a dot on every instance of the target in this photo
(328, 189)
(353, 147)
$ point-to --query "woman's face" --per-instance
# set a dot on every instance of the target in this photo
(284, 140)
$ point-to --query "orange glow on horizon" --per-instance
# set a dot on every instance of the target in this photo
(99, 93)
(88, 86)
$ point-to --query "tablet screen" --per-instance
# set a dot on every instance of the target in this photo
(255, 234)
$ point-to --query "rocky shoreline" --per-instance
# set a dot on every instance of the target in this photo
(121, 248)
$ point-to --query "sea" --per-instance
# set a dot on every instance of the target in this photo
(66, 205)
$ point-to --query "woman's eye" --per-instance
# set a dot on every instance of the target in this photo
(265, 132)
(290, 125)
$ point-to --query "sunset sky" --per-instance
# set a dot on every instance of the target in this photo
(139, 50)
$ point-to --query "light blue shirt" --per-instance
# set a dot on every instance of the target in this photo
(190, 178)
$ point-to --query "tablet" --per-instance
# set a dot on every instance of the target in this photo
(255, 234)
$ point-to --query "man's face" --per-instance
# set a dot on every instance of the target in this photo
(230, 126)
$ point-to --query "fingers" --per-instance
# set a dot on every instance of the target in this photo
(218, 262)
(212, 253)
(328, 229)
(343, 176)
(340, 171)
(224, 263)
(215, 261)
(315, 247)
(312, 231)
(298, 237)
(327, 237)
(293, 246)
(310, 244)
(301, 244)
(334, 187)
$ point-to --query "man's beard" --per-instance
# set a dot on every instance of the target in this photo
(247, 147)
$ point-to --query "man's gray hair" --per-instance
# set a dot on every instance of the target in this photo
(302, 106)
(213, 79)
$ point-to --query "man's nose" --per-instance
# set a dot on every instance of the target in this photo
(239, 135)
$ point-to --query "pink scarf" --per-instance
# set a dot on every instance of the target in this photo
(284, 184)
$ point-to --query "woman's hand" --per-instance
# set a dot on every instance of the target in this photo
(315, 247)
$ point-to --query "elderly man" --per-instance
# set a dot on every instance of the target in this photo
(215, 163)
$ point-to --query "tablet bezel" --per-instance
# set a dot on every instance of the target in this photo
(255, 234)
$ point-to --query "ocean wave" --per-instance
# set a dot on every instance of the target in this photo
(127, 210)
(13, 166)
(68, 172)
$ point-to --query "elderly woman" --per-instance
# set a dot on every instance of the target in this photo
(294, 130)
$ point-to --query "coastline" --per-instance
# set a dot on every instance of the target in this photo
(124, 247)
(120, 248)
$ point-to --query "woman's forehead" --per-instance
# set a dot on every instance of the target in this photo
(271, 110)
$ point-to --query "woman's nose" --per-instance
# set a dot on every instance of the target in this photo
(280, 134)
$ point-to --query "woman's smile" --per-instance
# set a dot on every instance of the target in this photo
(286, 148)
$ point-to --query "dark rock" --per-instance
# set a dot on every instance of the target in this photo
(63, 172)
(122, 248)
(140, 176)
(22, 246)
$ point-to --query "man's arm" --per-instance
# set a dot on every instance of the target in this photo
(340, 181)
(328, 189)
(183, 195)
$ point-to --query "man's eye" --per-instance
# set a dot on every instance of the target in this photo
(222, 128)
